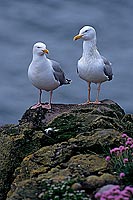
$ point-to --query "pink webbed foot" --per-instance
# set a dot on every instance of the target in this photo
(36, 106)
(90, 102)
(86, 103)
(46, 106)
(96, 102)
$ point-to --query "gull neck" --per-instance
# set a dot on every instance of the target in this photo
(39, 57)
(90, 49)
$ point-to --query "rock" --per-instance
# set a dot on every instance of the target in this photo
(14, 147)
(76, 186)
(47, 162)
(109, 178)
(105, 188)
(74, 146)
(92, 182)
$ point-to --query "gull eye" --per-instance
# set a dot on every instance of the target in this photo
(85, 31)
(38, 47)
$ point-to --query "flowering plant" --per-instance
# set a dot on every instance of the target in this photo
(115, 193)
(121, 159)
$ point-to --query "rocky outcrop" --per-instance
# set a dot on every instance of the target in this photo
(67, 143)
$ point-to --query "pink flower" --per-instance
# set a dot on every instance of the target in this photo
(110, 197)
(102, 198)
(125, 194)
(122, 148)
(107, 158)
(124, 135)
(122, 175)
(124, 198)
(116, 191)
(130, 139)
(111, 151)
(116, 187)
(120, 197)
(115, 150)
(131, 146)
(97, 195)
(126, 148)
(130, 189)
(128, 142)
(125, 160)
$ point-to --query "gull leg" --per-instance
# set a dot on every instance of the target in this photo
(39, 101)
(48, 106)
(89, 90)
(98, 92)
(40, 97)
(50, 100)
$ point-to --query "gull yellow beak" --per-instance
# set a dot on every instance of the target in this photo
(46, 51)
(77, 37)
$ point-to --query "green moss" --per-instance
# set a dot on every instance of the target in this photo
(67, 126)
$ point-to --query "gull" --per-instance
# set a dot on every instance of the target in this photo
(45, 74)
(92, 67)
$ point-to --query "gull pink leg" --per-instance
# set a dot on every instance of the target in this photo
(48, 106)
(89, 93)
(39, 101)
(50, 101)
(89, 90)
(98, 92)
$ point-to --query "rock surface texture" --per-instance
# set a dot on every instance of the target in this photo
(67, 143)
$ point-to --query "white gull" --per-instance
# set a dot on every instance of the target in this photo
(92, 67)
(45, 74)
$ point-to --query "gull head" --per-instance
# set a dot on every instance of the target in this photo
(86, 33)
(40, 49)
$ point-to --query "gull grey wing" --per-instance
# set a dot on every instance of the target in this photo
(58, 73)
(107, 68)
